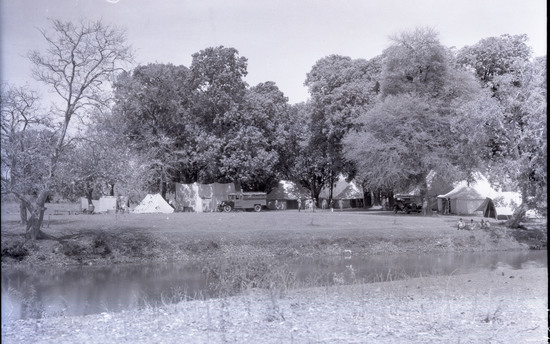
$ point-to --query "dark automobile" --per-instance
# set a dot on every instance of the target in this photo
(407, 204)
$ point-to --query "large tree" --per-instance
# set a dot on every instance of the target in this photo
(517, 141)
(218, 76)
(256, 145)
(77, 64)
(409, 133)
(152, 116)
(341, 90)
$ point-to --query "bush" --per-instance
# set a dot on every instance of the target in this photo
(15, 250)
(100, 245)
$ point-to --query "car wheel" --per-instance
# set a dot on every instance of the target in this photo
(227, 208)
(257, 208)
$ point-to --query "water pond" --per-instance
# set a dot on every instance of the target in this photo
(88, 289)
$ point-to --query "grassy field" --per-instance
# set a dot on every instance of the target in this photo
(120, 238)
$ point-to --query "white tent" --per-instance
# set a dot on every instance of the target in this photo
(102, 205)
(345, 195)
(153, 204)
(465, 199)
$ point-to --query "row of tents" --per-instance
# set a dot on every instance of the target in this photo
(286, 195)
(464, 199)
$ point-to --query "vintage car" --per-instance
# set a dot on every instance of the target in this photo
(244, 201)
(407, 203)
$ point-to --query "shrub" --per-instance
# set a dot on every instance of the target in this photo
(15, 250)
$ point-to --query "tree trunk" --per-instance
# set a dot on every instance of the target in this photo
(518, 216)
(162, 188)
(34, 223)
(89, 194)
(23, 212)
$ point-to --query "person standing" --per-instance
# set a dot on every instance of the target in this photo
(299, 204)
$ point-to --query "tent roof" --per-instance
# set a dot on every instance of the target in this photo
(484, 204)
(351, 191)
(343, 190)
(153, 204)
(463, 192)
(288, 190)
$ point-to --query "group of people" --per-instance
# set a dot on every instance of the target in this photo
(307, 204)
(484, 224)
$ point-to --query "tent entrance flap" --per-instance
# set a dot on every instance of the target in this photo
(488, 208)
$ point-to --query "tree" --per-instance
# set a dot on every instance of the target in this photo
(152, 115)
(20, 140)
(78, 61)
(94, 164)
(341, 89)
(218, 74)
(518, 139)
(256, 145)
(495, 56)
(416, 63)
(522, 153)
(409, 133)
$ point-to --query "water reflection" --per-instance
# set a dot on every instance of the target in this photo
(88, 290)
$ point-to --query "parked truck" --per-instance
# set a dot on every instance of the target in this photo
(244, 201)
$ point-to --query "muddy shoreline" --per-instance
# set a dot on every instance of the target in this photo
(501, 306)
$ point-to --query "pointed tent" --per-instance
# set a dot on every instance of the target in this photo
(488, 208)
(345, 194)
(153, 204)
(287, 194)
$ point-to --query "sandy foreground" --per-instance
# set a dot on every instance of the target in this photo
(498, 306)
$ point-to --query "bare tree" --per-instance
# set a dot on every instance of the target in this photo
(78, 63)
(20, 118)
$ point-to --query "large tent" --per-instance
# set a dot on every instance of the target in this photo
(464, 197)
(344, 194)
(463, 200)
(201, 197)
(286, 195)
(153, 204)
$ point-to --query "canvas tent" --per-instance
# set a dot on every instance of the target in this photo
(344, 194)
(102, 205)
(488, 208)
(153, 204)
(201, 197)
(463, 200)
(286, 195)
(504, 202)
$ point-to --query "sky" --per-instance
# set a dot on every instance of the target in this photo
(282, 39)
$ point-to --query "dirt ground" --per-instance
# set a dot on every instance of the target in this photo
(500, 306)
